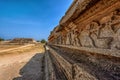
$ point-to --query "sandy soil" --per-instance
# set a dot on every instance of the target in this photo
(23, 66)
(4, 47)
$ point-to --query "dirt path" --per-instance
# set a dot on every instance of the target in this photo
(25, 66)
(33, 70)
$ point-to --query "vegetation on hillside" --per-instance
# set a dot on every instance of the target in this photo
(43, 41)
(1, 39)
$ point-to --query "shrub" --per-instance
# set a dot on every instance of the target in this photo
(1, 39)
(43, 41)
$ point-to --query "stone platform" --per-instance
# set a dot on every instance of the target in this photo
(86, 43)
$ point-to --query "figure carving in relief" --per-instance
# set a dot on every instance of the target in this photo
(77, 40)
(85, 39)
(56, 40)
(116, 41)
(106, 34)
(72, 34)
(116, 28)
(67, 36)
(59, 40)
(68, 39)
(64, 39)
(98, 41)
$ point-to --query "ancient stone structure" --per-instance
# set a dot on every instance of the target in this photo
(22, 41)
(86, 43)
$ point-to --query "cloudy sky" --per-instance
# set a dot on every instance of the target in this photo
(30, 18)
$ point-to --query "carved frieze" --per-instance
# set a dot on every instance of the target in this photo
(85, 39)
(89, 40)
(103, 32)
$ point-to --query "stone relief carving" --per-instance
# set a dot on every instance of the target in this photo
(116, 28)
(101, 34)
(116, 41)
(72, 35)
(64, 39)
(96, 30)
(68, 39)
(85, 39)
(76, 38)
(104, 33)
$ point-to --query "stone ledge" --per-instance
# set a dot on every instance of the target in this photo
(108, 52)
(89, 65)
(71, 70)
(49, 71)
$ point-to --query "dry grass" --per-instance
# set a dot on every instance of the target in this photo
(25, 58)
(6, 46)
(37, 47)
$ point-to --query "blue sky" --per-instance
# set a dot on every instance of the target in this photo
(30, 18)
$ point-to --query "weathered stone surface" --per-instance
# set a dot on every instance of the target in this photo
(93, 28)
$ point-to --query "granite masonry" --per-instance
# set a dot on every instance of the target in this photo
(86, 43)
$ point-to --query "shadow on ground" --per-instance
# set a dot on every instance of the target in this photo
(34, 69)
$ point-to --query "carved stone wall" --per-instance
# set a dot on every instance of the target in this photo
(92, 26)
(100, 33)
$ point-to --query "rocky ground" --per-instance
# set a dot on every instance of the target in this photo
(25, 65)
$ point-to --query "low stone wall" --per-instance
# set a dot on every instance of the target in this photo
(65, 69)
(74, 64)
(49, 71)
(61, 64)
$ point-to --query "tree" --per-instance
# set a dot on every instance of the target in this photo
(38, 41)
(1, 39)
(43, 41)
